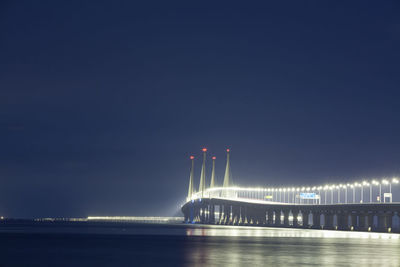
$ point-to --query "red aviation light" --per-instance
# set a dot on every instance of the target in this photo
(213, 157)
(227, 150)
(204, 149)
(191, 157)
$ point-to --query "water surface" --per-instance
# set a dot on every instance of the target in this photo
(111, 244)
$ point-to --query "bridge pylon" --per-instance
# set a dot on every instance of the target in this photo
(202, 185)
(228, 175)
(190, 190)
(212, 183)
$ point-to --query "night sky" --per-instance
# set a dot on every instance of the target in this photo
(102, 103)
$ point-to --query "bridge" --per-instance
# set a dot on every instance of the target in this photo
(360, 206)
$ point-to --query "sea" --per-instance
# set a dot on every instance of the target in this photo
(177, 244)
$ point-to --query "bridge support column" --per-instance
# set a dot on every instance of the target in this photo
(286, 218)
(245, 216)
(220, 211)
(353, 221)
(328, 217)
(263, 219)
(316, 220)
(370, 221)
(228, 214)
(270, 214)
(362, 225)
(223, 216)
(295, 214)
(240, 222)
(305, 215)
(237, 215)
(382, 222)
(385, 222)
(204, 213)
(343, 221)
(277, 217)
(250, 216)
(212, 215)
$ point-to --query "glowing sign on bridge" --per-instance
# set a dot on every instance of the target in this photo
(309, 196)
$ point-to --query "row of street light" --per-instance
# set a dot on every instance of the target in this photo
(312, 195)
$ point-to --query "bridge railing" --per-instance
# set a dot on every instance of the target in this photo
(258, 194)
(375, 191)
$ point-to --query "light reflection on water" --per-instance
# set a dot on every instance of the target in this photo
(251, 246)
(193, 245)
(281, 232)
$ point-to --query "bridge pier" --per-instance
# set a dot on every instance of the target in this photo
(295, 214)
(362, 218)
(305, 216)
(286, 218)
(240, 222)
(328, 218)
(262, 214)
(385, 222)
(277, 218)
(353, 221)
(270, 214)
(342, 220)
(370, 221)
(228, 220)
(316, 220)
(212, 214)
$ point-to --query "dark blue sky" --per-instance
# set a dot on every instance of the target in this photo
(101, 103)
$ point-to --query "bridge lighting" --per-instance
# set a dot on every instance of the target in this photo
(204, 149)
(338, 193)
(228, 150)
(384, 181)
(395, 180)
(191, 157)
(214, 157)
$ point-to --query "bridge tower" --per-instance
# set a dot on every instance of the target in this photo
(202, 185)
(190, 191)
(212, 183)
(228, 176)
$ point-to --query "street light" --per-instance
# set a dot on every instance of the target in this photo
(284, 195)
(365, 183)
(346, 186)
(326, 187)
(386, 182)
(293, 193)
(395, 181)
(374, 182)
(331, 188)
(353, 186)
(307, 190)
(313, 190)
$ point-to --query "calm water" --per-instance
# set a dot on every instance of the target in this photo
(80, 244)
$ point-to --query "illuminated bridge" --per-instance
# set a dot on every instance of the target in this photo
(361, 206)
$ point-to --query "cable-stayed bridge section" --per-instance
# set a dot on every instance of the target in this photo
(361, 206)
